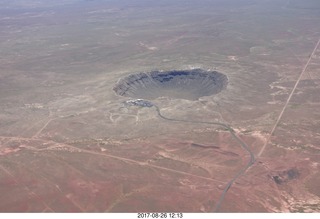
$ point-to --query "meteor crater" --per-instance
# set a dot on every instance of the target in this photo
(176, 84)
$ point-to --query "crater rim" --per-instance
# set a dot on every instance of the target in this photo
(189, 84)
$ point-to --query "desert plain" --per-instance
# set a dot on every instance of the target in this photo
(69, 143)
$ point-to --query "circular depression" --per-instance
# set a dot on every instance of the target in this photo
(178, 84)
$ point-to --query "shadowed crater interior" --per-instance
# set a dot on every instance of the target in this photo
(179, 84)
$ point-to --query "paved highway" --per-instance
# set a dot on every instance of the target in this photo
(232, 132)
